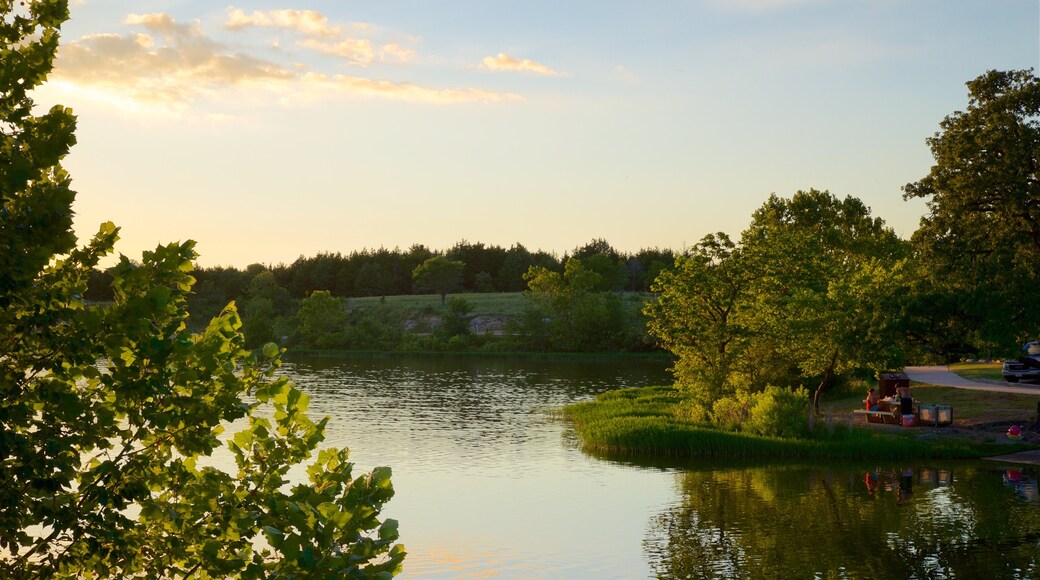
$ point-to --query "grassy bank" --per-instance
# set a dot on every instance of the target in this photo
(643, 422)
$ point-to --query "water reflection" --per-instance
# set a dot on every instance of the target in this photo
(455, 413)
(895, 521)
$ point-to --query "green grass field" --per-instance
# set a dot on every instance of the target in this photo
(505, 304)
(511, 304)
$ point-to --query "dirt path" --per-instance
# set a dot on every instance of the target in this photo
(941, 375)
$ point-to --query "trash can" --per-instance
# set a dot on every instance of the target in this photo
(889, 382)
(928, 415)
(943, 414)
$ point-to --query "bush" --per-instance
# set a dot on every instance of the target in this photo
(778, 412)
(774, 412)
(730, 413)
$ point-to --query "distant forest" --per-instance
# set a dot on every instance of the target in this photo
(586, 300)
(383, 272)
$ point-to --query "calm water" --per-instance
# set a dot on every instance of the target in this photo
(490, 486)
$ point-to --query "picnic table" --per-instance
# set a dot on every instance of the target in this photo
(889, 414)
(887, 417)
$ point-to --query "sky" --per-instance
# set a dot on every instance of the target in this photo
(267, 131)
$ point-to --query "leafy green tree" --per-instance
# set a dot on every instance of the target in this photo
(264, 307)
(980, 241)
(106, 410)
(806, 295)
(439, 275)
(696, 315)
(580, 317)
(320, 322)
(820, 263)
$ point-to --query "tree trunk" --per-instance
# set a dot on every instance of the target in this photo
(827, 376)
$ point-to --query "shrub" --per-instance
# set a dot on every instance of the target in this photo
(778, 412)
(730, 413)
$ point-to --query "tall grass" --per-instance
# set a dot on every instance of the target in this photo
(643, 422)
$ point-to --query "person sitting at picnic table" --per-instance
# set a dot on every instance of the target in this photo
(906, 400)
(872, 400)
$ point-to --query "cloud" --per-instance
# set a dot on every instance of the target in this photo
(503, 61)
(306, 22)
(352, 50)
(172, 76)
(403, 91)
(394, 52)
(173, 65)
(321, 36)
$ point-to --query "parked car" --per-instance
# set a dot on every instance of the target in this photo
(1026, 368)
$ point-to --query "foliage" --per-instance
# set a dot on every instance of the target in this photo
(824, 266)
(979, 245)
(731, 413)
(773, 412)
(265, 307)
(778, 412)
(439, 275)
(320, 322)
(696, 316)
(107, 412)
(579, 317)
(456, 318)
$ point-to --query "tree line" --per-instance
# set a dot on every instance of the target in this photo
(385, 272)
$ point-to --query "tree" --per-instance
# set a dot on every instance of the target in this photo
(105, 410)
(806, 294)
(265, 305)
(580, 317)
(320, 322)
(440, 275)
(822, 263)
(696, 316)
(373, 280)
(980, 242)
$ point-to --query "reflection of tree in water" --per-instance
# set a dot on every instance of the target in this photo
(796, 522)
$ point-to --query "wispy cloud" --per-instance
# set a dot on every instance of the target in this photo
(171, 65)
(393, 52)
(306, 22)
(504, 62)
(321, 36)
(354, 51)
(403, 91)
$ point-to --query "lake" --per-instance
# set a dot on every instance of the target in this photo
(490, 485)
